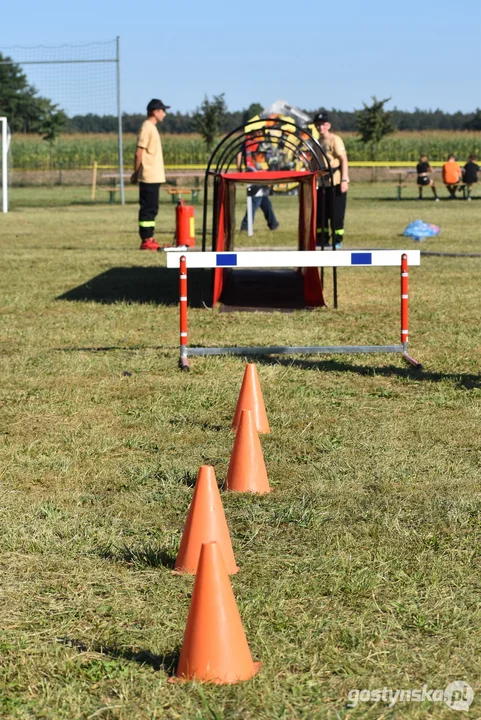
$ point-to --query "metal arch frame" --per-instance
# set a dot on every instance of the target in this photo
(236, 138)
(274, 140)
(274, 124)
(225, 152)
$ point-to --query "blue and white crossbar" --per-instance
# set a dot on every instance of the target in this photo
(294, 258)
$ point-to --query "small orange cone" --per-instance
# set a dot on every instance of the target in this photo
(250, 398)
(215, 647)
(247, 470)
(205, 522)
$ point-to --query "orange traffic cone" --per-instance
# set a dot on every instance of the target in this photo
(205, 522)
(250, 398)
(247, 470)
(215, 647)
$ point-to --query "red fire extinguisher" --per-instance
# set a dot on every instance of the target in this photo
(184, 224)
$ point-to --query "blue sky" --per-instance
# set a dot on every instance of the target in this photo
(422, 53)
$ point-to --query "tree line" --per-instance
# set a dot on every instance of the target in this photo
(28, 112)
(342, 120)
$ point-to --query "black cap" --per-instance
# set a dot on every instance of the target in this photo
(321, 117)
(156, 105)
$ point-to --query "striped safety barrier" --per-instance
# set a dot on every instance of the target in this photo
(294, 258)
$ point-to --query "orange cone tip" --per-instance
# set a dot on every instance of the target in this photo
(250, 398)
(205, 523)
(247, 470)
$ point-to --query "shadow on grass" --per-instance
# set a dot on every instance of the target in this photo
(146, 556)
(204, 424)
(244, 290)
(465, 381)
(137, 285)
(412, 198)
(189, 478)
(166, 661)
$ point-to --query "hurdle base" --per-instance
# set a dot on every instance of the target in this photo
(299, 350)
(184, 363)
(411, 361)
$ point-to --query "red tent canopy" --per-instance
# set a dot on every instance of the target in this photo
(268, 177)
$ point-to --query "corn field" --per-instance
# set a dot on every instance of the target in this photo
(73, 152)
(409, 146)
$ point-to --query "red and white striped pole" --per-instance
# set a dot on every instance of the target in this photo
(404, 300)
(405, 312)
(183, 362)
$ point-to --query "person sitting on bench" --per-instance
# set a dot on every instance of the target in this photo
(423, 168)
(451, 175)
(470, 174)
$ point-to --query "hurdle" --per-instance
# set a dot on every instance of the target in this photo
(294, 258)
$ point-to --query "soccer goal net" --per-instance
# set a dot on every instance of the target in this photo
(80, 87)
(6, 162)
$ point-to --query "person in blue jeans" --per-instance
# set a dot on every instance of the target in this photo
(260, 199)
(251, 150)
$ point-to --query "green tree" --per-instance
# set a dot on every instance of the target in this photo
(475, 122)
(374, 123)
(253, 110)
(208, 119)
(19, 102)
(51, 122)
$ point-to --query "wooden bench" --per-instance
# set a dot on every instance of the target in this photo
(176, 194)
(113, 190)
(400, 184)
(114, 185)
(458, 186)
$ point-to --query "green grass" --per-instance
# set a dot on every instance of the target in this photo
(360, 570)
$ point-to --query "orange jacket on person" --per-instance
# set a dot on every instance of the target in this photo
(451, 172)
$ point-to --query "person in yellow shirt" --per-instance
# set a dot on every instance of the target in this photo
(334, 193)
(149, 172)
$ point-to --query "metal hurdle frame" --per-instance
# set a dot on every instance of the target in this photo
(289, 258)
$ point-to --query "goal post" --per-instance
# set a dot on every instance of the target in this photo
(5, 168)
(79, 80)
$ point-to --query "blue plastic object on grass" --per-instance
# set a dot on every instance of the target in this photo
(419, 230)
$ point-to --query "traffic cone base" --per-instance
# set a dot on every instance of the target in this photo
(250, 398)
(205, 523)
(215, 647)
(247, 470)
(256, 666)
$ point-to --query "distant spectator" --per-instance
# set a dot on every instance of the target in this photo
(149, 173)
(470, 173)
(335, 193)
(251, 155)
(423, 169)
(451, 175)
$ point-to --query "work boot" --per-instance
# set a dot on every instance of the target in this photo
(149, 244)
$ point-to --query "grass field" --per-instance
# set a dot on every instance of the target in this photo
(360, 570)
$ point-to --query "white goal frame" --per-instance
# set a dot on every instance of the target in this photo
(5, 147)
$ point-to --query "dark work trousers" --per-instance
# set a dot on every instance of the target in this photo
(338, 199)
(149, 207)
